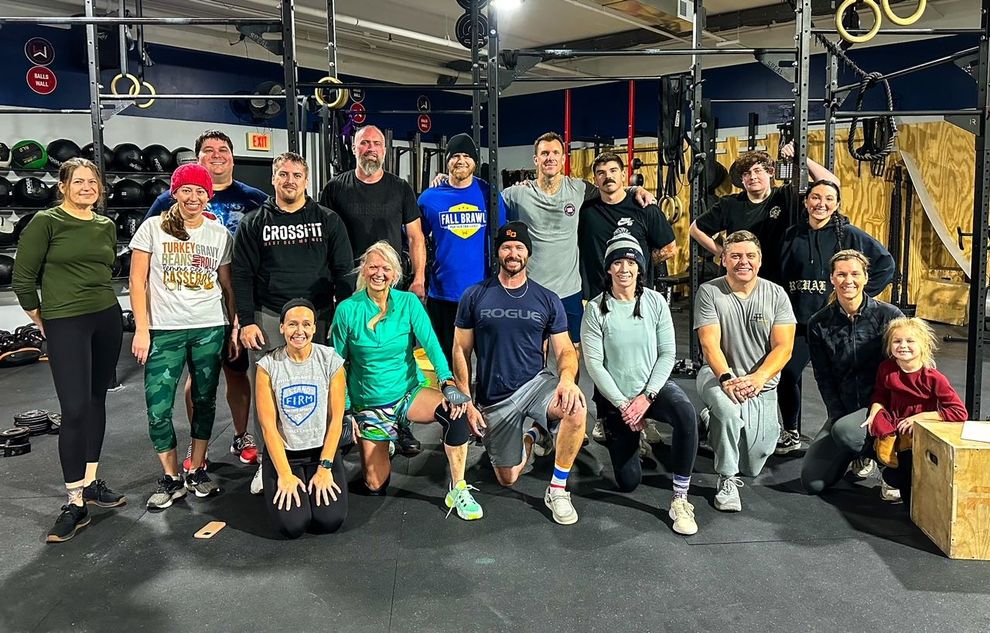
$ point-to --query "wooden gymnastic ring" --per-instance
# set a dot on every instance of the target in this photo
(674, 205)
(858, 39)
(911, 19)
(135, 88)
(149, 102)
(342, 94)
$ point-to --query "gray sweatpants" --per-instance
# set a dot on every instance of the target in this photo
(829, 454)
(268, 321)
(743, 436)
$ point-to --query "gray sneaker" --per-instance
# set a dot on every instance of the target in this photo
(200, 484)
(544, 446)
(863, 467)
(727, 494)
(559, 502)
(169, 490)
(598, 431)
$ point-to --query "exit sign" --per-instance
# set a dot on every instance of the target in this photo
(259, 142)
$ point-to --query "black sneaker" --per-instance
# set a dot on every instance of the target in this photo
(407, 444)
(169, 490)
(200, 484)
(72, 519)
(98, 494)
(789, 441)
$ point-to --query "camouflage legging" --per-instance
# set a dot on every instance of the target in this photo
(170, 350)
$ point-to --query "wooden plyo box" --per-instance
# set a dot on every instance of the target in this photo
(950, 499)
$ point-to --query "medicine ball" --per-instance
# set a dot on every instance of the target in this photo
(87, 153)
(6, 269)
(158, 158)
(126, 193)
(128, 222)
(8, 232)
(127, 157)
(5, 188)
(31, 192)
(61, 150)
(29, 155)
(183, 155)
(154, 188)
(4, 156)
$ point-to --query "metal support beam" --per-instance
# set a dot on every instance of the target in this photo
(875, 113)
(696, 50)
(476, 87)
(697, 183)
(900, 32)
(475, 76)
(915, 68)
(291, 73)
(109, 21)
(494, 178)
(831, 83)
(981, 203)
(93, 65)
(802, 79)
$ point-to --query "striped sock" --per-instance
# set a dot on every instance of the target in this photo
(560, 474)
(533, 433)
(681, 485)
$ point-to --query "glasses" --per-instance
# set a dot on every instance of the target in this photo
(755, 172)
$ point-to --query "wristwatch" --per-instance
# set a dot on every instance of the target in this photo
(326, 463)
(650, 395)
(724, 377)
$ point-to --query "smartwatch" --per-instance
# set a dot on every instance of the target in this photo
(724, 377)
(326, 463)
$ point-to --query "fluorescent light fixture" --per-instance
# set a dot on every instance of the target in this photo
(506, 6)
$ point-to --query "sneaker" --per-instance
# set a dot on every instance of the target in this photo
(72, 519)
(559, 502)
(98, 494)
(169, 489)
(187, 462)
(863, 467)
(888, 493)
(598, 431)
(460, 497)
(200, 484)
(257, 482)
(727, 494)
(407, 444)
(789, 441)
(543, 446)
(682, 514)
(391, 449)
(245, 449)
(651, 433)
(645, 450)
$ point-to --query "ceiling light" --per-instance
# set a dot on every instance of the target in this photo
(506, 6)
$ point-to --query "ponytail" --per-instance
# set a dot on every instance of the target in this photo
(174, 225)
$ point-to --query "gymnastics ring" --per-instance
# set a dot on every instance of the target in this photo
(151, 91)
(911, 19)
(869, 35)
(135, 88)
(342, 94)
(674, 205)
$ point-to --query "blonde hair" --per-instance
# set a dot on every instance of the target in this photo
(925, 335)
(386, 252)
(844, 256)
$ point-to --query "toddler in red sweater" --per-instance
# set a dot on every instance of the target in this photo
(908, 389)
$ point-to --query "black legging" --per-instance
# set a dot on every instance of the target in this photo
(789, 387)
(309, 517)
(82, 353)
(672, 406)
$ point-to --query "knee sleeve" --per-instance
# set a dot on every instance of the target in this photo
(455, 430)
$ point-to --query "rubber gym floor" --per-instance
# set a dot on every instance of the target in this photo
(787, 562)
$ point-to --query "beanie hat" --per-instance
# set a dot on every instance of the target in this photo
(462, 144)
(514, 232)
(623, 245)
(296, 303)
(192, 174)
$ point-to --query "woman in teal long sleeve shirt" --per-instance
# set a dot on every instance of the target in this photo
(376, 331)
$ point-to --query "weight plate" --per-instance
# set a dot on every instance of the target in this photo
(15, 436)
(14, 451)
(33, 416)
(463, 30)
(466, 4)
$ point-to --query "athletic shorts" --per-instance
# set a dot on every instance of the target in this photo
(506, 421)
(381, 424)
(574, 309)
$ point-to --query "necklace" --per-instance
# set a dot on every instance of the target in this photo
(525, 290)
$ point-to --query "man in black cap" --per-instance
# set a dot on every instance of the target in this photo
(455, 220)
(506, 320)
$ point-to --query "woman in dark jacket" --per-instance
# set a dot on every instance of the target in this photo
(806, 250)
(846, 342)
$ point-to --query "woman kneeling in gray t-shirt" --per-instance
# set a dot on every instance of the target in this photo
(300, 390)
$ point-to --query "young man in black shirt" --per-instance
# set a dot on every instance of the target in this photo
(761, 208)
(376, 205)
(614, 211)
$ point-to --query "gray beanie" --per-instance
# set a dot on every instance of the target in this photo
(623, 245)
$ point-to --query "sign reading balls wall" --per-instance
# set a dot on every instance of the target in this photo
(41, 80)
(357, 113)
(424, 123)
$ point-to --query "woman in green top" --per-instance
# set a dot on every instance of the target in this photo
(73, 248)
(376, 331)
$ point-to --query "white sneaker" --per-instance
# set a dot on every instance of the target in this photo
(889, 493)
(863, 467)
(545, 445)
(559, 502)
(727, 494)
(644, 447)
(682, 514)
(651, 432)
(257, 484)
(598, 431)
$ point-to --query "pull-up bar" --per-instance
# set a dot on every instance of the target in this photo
(649, 52)
(55, 20)
(915, 68)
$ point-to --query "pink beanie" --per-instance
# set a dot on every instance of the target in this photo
(192, 174)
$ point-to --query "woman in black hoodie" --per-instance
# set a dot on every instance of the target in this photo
(806, 250)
